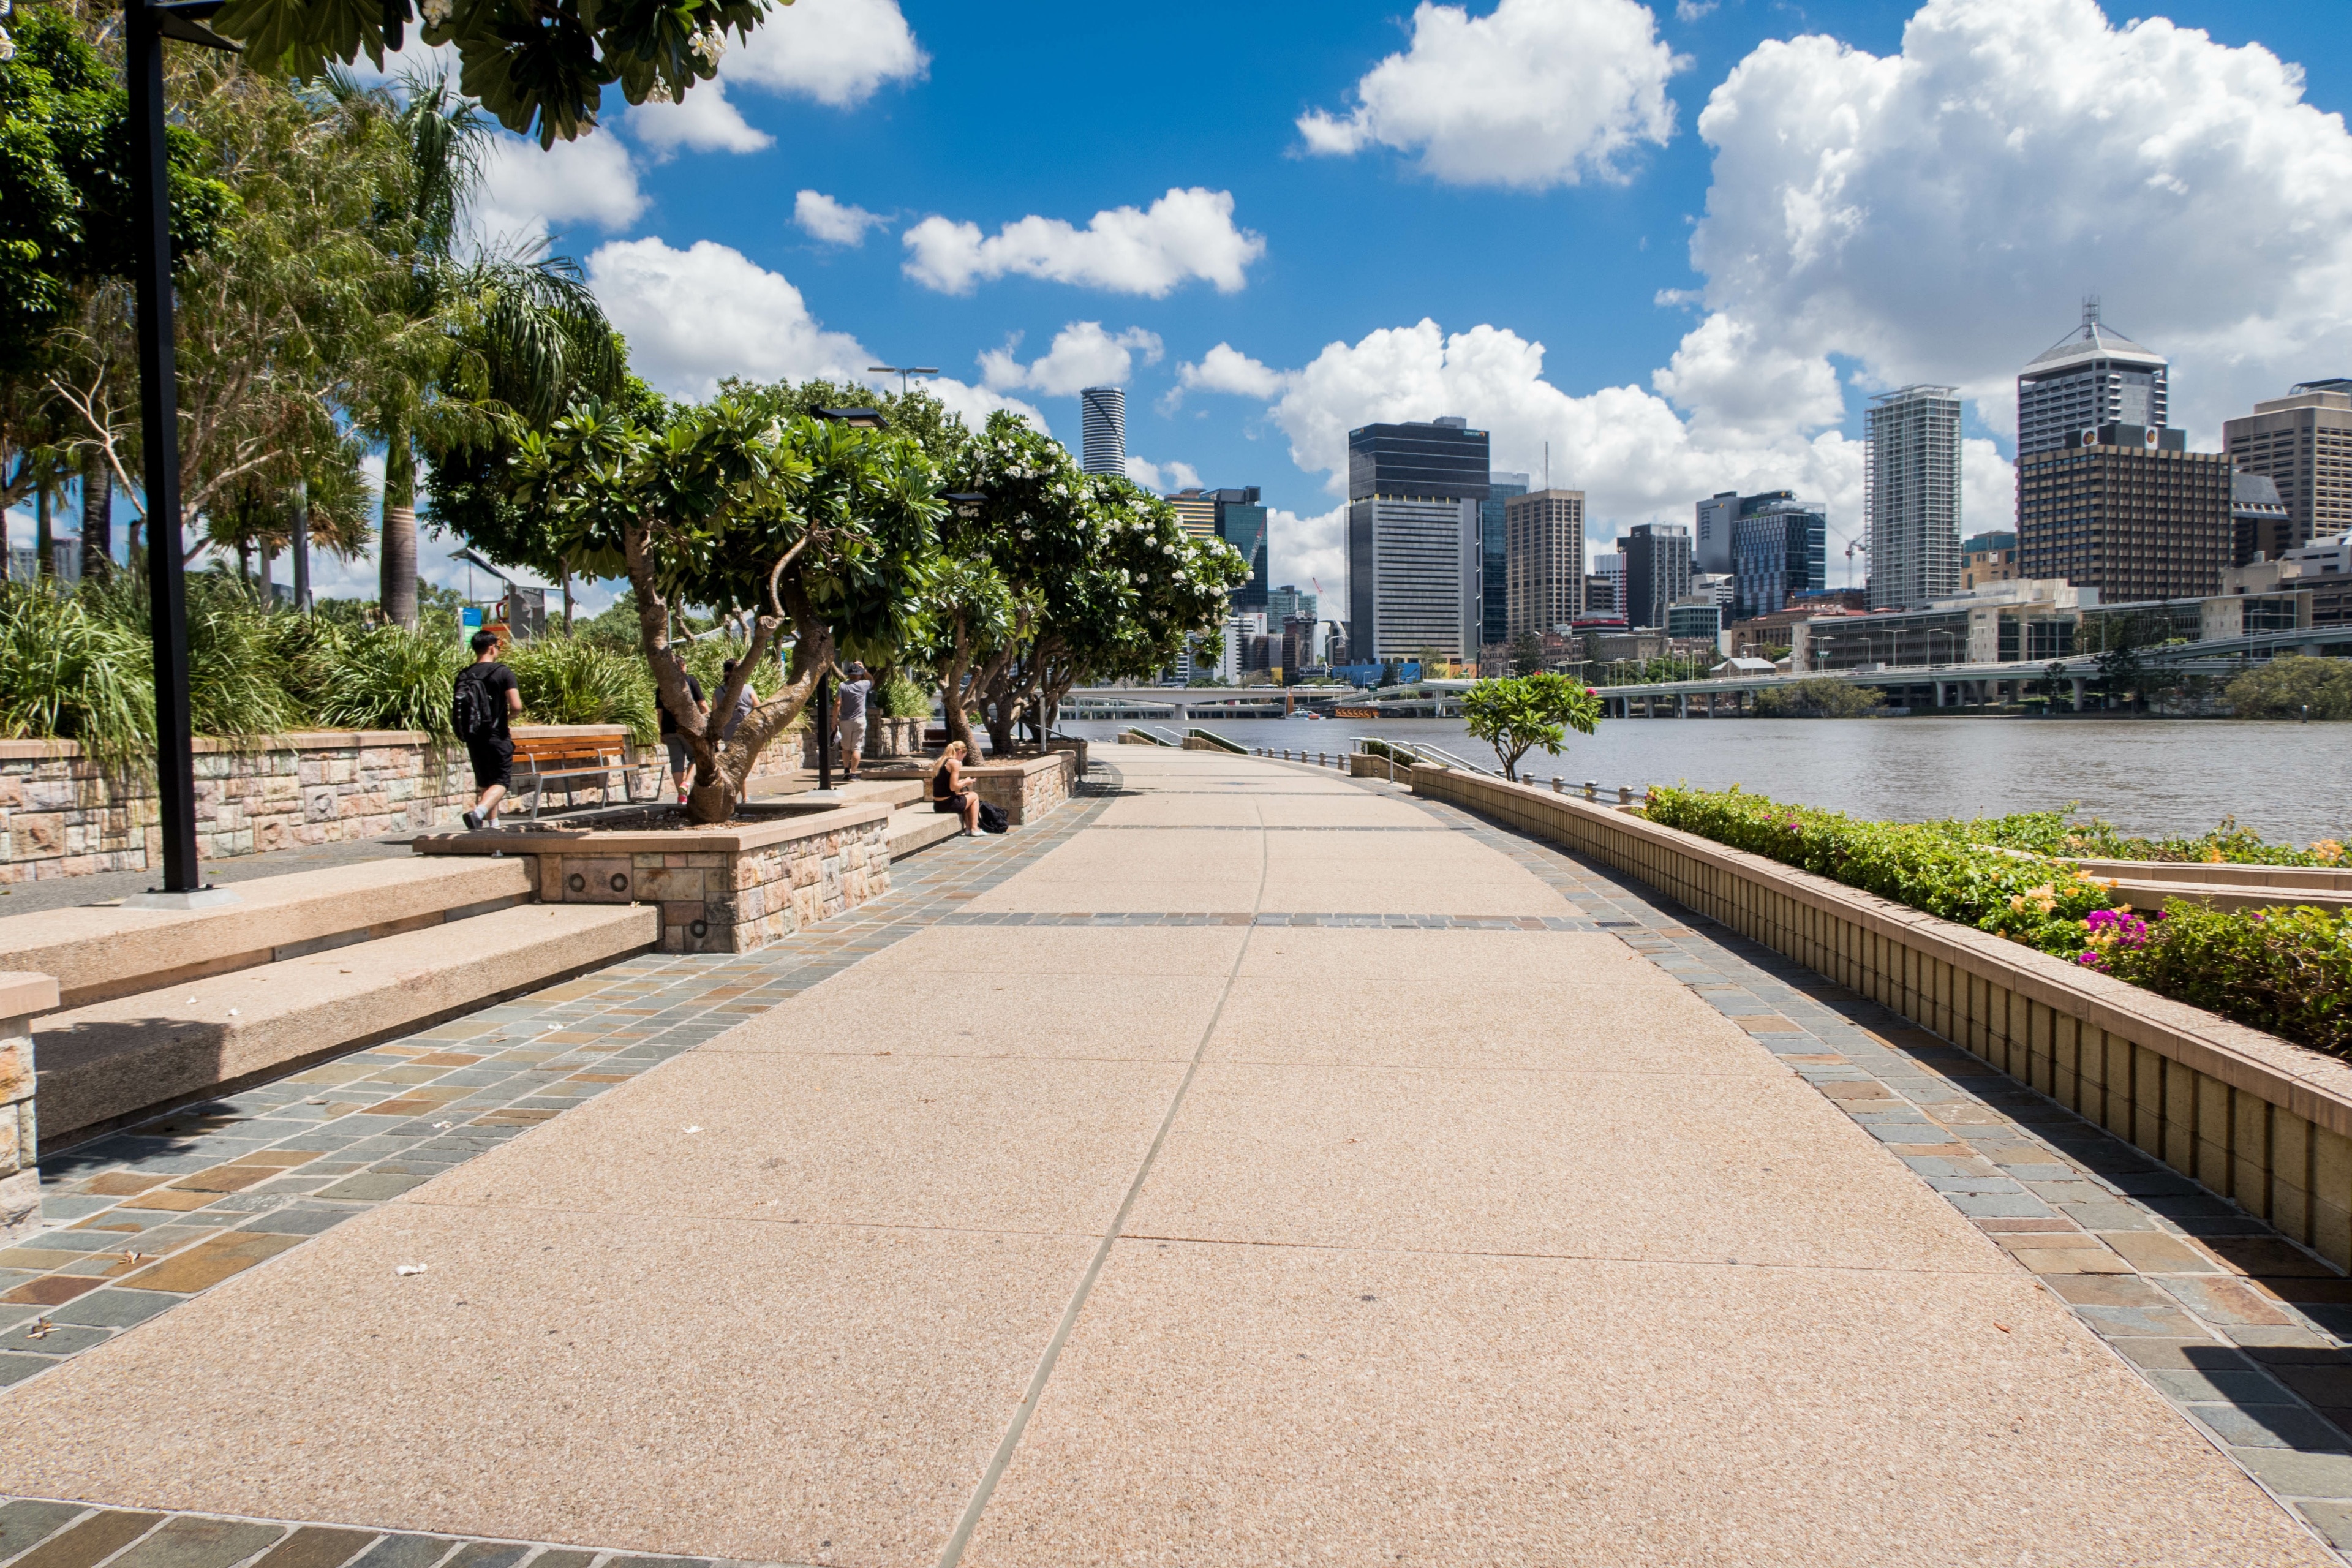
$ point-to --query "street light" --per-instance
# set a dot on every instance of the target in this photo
(146, 25)
(902, 372)
(857, 419)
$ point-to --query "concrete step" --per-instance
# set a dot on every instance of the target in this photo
(914, 827)
(101, 1065)
(105, 951)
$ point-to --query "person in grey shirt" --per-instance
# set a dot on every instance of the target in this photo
(857, 686)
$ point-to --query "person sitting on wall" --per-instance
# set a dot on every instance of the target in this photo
(947, 791)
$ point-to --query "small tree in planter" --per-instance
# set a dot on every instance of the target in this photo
(1518, 714)
(814, 529)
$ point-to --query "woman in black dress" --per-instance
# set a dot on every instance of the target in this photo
(948, 793)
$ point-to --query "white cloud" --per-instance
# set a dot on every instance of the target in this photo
(1082, 356)
(1936, 214)
(694, 316)
(974, 404)
(1539, 93)
(836, 222)
(527, 192)
(1170, 476)
(1184, 235)
(838, 52)
(703, 121)
(1311, 552)
(1227, 369)
(1693, 10)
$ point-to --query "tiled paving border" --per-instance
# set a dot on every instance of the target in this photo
(2238, 1328)
(164, 1210)
(36, 1532)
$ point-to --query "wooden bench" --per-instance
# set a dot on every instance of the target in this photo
(543, 760)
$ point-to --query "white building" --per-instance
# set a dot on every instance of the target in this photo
(1911, 495)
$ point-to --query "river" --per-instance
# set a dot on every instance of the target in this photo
(2152, 776)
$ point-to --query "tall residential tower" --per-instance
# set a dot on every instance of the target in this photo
(1103, 418)
(1911, 495)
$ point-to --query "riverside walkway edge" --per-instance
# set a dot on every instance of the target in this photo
(1264, 1168)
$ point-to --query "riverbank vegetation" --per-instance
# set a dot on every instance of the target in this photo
(2288, 970)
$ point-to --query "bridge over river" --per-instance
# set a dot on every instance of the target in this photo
(1039, 1213)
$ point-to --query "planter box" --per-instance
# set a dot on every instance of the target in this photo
(2260, 1121)
(886, 739)
(1026, 788)
(735, 888)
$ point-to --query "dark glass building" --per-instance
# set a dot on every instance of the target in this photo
(1241, 522)
(1415, 540)
(1779, 550)
(1495, 558)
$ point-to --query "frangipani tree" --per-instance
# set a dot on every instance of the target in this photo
(813, 530)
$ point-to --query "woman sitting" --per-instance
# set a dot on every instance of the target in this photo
(947, 791)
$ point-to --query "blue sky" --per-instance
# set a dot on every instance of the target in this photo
(1724, 224)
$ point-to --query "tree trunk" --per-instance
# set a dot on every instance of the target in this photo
(396, 588)
(44, 542)
(96, 518)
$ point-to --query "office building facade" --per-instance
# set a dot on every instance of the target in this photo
(1657, 571)
(2303, 444)
(1102, 421)
(1711, 531)
(1544, 562)
(1779, 550)
(2264, 528)
(1495, 558)
(1414, 505)
(1911, 495)
(1288, 603)
(1241, 523)
(1196, 511)
(2129, 510)
(1988, 558)
(1604, 586)
(2091, 377)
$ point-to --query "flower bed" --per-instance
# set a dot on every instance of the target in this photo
(2286, 970)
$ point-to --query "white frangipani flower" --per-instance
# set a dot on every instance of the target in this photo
(438, 12)
(709, 44)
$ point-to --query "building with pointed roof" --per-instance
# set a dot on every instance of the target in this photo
(2093, 376)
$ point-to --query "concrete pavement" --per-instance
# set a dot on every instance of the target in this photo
(1271, 1173)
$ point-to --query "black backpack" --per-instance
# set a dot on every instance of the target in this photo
(471, 715)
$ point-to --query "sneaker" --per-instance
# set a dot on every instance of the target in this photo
(473, 820)
(681, 797)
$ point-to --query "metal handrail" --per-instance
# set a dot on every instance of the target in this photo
(1220, 741)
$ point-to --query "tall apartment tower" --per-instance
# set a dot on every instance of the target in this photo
(1413, 510)
(2302, 443)
(1544, 566)
(1102, 412)
(1657, 571)
(1495, 558)
(2092, 376)
(1911, 495)
(1241, 523)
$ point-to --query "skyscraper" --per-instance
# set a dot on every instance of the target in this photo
(2304, 443)
(1546, 565)
(1911, 495)
(1494, 558)
(1196, 511)
(1241, 522)
(1657, 571)
(1103, 416)
(2129, 510)
(1288, 603)
(1414, 495)
(2090, 377)
(1779, 550)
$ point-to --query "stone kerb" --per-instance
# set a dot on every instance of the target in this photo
(725, 890)
(23, 997)
(2256, 1119)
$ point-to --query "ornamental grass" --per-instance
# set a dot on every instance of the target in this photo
(2287, 971)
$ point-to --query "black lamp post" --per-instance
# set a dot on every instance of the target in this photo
(146, 25)
(857, 419)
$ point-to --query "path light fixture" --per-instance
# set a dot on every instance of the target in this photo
(146, 25)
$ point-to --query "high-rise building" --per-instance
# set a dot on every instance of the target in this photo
(1241, 522)
(1414, 495)
(1988, 558)
(1102, 414)
(1288, 603)
(1196, 511)
(2303, 442)
(1911, 495)
(2092, 376)
(1495, 558)
(1604, 586)
(2265, 527)
(1657, 571)
(1544, 563)
(2127, 510)
(1773, 547)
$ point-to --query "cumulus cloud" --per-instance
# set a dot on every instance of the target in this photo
(1936, 213)
(1539, 93)
(528, 192)
(697, 315)
(1227, 369)
(836, 222)
(974, 404)
(838, 52)
(1170, 476)
(1082, 356)
(703, 121)
(1184, 235)
(1311, 550)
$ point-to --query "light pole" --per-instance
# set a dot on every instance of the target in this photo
(857, 419)
(145, 26)
(902, 372)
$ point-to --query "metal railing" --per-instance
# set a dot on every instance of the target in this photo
(1196, 733)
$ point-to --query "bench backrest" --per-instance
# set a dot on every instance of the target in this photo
(569, 749)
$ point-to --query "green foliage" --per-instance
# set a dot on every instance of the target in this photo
(236, 687)
(392, 677)
(1819, 699)
(1527, 654)
(67, 674)
(2289, 971)
(567, 681)
(1519, 713)
(2287, 685)
(904, 699)
(2057, 833)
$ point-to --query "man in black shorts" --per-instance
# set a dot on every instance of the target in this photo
(487, 697)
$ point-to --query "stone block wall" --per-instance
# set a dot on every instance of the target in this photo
(2255, 1119)
(23, 997)
(1026, 788)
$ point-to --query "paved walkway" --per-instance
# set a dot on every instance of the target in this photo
(1252, 1167)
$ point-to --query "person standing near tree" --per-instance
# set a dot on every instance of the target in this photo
(682, 759)
(488, 696)
(857, 687)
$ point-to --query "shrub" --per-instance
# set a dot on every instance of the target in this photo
(2286, 685)
(1819, 699)
(389, 678)
(2285, 969)
(1518, 713)
(237, 685)
(905, 698)
(67, 674)
(2055, 833)
(565, 680)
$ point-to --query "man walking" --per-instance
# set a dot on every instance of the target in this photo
(487, 697)
(681, 756)
(856, 687)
